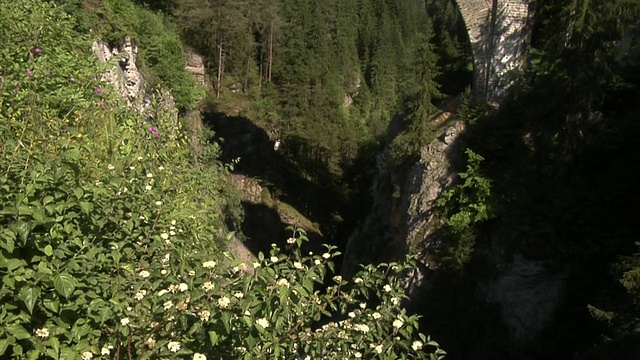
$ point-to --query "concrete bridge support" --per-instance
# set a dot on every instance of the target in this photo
(499, 31)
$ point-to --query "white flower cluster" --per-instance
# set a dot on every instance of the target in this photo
(263, 322)
(106, 350)
(240, 267)
(173, 346)
(397, 323)
(362, 328)
(209, 264)
(224, 302)
(204, 315)
(207, 286)
(140, 295)
(42, 333)
(416, 345)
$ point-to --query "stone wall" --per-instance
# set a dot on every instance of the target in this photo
(510, 45)
(498, 31)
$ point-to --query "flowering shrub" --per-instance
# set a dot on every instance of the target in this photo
(112, 239)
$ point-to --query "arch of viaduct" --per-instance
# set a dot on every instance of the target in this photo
(499, 31)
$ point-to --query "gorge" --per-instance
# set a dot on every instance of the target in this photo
(245, 179)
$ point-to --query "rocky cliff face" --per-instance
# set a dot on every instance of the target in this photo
(128, 80)
(404, 220)
(124, 76)
(528, 292)
(195, 65)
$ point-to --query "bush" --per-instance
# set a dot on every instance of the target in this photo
(161, 57)
(112, 243)
(465, 206)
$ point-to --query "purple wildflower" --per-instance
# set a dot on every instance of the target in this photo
(101, 103)
(37, 50)
(154, 131)
(72, 79)
(97, 91)
(29, 73)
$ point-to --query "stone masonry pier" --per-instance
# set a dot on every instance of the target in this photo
(499, 31)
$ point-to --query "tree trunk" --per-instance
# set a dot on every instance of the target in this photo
(219, 76)
(249, 52)
(261, 69)
(270, 52)
(220, 68)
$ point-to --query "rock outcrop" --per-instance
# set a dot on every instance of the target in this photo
(124, 76)
(127, 79)
(405, 221)
(403, 218)
(528, 293)
(195, 65)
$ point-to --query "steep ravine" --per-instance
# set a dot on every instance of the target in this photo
(499, 304)
(275, 195)
(503, 301)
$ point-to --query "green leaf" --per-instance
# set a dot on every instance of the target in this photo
(52, 353)
(24, 210)
(33, 354)
(22, 229)
(12, 264)
(64, 284)
(86, 207)
(68, 354)
(18, 331)
(7, 241)
(52, 304)
(8, 281)
(105, 314)
(29, 295)
(8, 245)
(38, 215)
(4, 344)
(55, 347)
(226, 321)
(213, 337)
(78, 192)
(48, 250)
(279, 324)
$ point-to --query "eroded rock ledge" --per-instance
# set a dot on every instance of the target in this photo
(404, 220)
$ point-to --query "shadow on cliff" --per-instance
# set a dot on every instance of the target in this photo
(565, 176)
(322, 203)
(564, 172)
